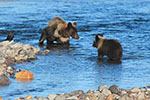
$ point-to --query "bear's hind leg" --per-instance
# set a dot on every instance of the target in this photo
(50, 40)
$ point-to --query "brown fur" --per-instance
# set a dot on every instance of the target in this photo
(60, 31)
(109, 47)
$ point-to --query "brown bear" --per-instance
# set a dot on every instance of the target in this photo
(60, 31)
(109, 47)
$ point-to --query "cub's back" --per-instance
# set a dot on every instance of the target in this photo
(111, 43)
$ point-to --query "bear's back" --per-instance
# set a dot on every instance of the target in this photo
(112, 48)
(114, 44)
(56, 21)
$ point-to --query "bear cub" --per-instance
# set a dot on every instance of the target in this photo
(60, 31)
(109, 47)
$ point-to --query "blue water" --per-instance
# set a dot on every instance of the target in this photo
(66, 70)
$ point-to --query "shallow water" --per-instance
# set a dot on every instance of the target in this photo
(66, 70)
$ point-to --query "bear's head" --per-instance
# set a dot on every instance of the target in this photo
(70, 30)
(98, 41)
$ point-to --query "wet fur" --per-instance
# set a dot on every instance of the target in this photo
(59, 31)
(109, 47)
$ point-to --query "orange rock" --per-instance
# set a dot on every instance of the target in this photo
(24, 75)
(109, 97)
(1, 98)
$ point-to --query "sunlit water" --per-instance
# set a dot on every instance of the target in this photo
(66, 70)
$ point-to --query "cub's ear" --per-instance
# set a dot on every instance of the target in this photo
(75, 24)
(100, 34)
(69, 25)
(96, 38)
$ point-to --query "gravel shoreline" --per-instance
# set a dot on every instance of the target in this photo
(102, 93)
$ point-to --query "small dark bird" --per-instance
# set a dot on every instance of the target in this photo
(10, 36)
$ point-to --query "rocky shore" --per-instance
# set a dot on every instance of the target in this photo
(102, 93)
(12, 53)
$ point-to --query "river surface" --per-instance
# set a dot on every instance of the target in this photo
(65, 70)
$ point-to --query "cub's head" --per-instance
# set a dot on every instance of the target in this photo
(69, 30)
(98, 41)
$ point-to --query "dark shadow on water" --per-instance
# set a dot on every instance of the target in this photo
(106, 61)
(57, 46)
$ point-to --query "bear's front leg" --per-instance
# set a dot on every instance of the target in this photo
(100, 54)
(60, 42)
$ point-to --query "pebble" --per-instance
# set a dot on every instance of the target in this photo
(125, 97)
(72, 98)
(110, 97)
(106, 92)
(45, 52)
(101, 87)
(28, 97)
(135, 90)
(60, 97)
(51, 96)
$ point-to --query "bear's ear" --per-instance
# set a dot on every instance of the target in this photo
(96, 38)
(69, 25)
(75, 24)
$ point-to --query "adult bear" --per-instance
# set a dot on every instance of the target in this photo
(109, 47)
(60, 31)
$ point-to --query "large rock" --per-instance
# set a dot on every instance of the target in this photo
(4, 80)
(115, 89)
(24, 75)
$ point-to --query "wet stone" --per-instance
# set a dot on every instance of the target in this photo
(106, 92)
(4, 80)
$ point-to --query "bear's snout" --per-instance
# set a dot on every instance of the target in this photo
(76, 37)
